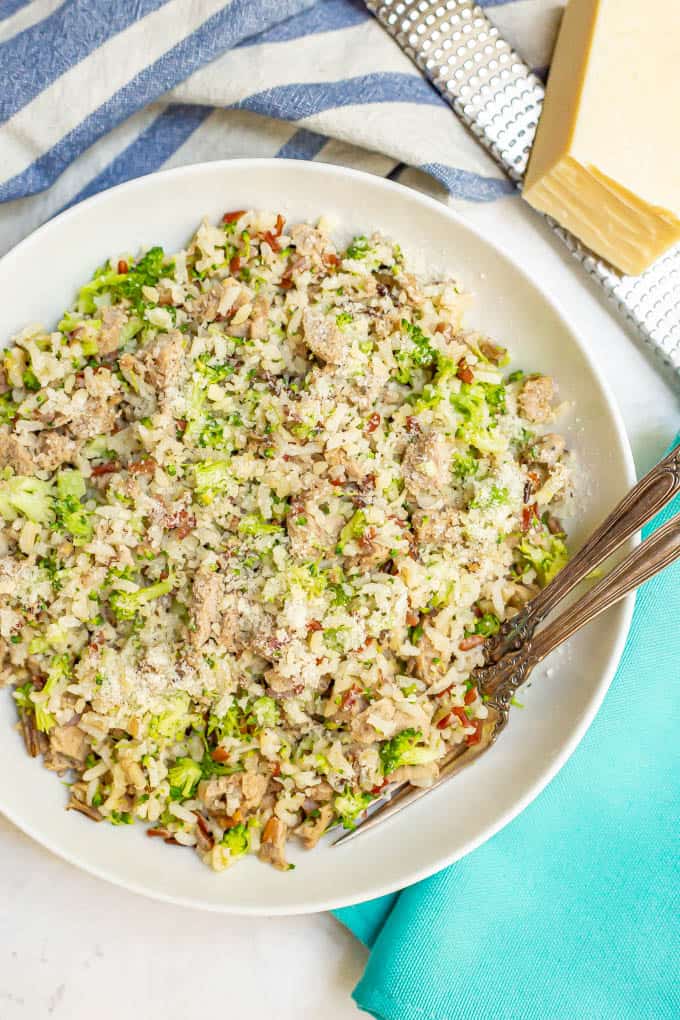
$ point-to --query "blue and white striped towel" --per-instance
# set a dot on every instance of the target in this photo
(96, 92)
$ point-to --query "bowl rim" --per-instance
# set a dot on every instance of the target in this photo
(568, 747)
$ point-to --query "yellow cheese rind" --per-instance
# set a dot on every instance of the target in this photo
(605, 159)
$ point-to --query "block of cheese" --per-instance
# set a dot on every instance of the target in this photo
(606, 159)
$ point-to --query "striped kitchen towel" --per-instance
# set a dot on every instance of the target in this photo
(95, 93)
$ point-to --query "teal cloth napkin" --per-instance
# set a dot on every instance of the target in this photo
(571, 912)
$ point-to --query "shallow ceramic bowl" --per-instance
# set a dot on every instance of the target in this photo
(38, 280)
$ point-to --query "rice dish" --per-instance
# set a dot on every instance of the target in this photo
(262, 502)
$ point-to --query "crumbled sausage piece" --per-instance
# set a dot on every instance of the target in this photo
(253, 787)
(205, 605)
(429, 664)
(548, 449)
(164, 360)
(313, 827)
(311, 531)
(535, 398)
(71, 742)
(43, 451)
(426, 471)
(259, 319)
(113, 320)
(323, 337)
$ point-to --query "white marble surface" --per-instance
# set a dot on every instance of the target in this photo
(64, 936)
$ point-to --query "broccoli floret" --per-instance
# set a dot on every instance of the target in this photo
(28, 496)
(211, 477)
(71, 515)
(348, 807)
(237, 839)
(402, 749)
(144, 273)
(126, 604)
(213, 434)
(227, 725)
(476, 429)
(547, 562)
(172, 724)
(265, 712)
(421, 355)
(464, 465)
(254, 524)
(184, 776)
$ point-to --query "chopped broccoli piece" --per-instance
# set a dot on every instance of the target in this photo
(213, 371)
(469, 402)
(31, 381)
(495, 397)
(402, 749)
(44, 720)
(8, 409)
(172, 724)
(344, 319)
(146, 272)
(211, 477)
(28, 496)
(70, 483)
(254, 524)
(71, 515)
(464, 465)
(421, 355)
(126, 604)
(265, 712)
(237, 839)
(22, 697)
(358, 248)
(547, 562)
(184, 776)
(354, 528)
(227, 725)
(348, 807)
(104, 279)
(488, 624)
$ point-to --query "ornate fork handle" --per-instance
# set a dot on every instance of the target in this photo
(500, 682)
(643, 501)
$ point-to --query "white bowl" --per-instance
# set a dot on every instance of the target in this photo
(38, 280)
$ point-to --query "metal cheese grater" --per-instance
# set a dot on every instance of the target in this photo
(499, 99)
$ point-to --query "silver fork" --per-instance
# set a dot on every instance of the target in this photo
(514, 652)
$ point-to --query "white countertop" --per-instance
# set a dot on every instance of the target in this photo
(65, 937)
